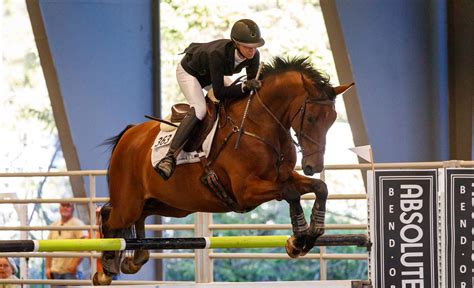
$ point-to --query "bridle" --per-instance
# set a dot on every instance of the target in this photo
(325, 100)
(301, 111)
(301, 134)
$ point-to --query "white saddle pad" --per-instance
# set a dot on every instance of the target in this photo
(162, 144)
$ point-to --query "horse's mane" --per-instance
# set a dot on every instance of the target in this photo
(299, 64)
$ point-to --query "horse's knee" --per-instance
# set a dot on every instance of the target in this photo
(322, 192)
(291, 195)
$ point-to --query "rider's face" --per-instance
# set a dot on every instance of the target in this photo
(247, 52)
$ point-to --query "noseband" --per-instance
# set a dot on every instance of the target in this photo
(300, 134)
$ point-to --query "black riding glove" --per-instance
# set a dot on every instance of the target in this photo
(250, 85)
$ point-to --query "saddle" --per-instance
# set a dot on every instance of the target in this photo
(195, 143)
(202, 129)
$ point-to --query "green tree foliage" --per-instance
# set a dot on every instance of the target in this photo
(292, 27)
(29, 135)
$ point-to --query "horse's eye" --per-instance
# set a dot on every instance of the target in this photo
(311, 119)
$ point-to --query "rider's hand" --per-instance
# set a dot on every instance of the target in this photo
(252, 84)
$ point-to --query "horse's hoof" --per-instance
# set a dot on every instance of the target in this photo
(128, 267)
(100, 278)
(310, 241)
(140, 257)
(291, 249)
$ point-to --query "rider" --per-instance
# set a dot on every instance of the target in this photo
(206, 64)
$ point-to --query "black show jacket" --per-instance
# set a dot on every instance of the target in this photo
(209, 62)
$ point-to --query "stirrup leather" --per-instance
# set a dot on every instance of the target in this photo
(166, 167)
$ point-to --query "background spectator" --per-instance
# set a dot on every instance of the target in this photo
(65, 268)
(8, 270)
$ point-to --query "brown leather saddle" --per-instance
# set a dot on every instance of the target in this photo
(202, 129)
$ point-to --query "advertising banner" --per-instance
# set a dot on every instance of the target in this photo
(404, 228)
(459, 227)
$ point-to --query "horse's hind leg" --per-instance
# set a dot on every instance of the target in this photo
(141, 256)
(110, 259)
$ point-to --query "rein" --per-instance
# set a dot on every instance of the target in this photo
(299, 134)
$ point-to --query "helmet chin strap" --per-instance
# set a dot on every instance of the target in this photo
(238, 50)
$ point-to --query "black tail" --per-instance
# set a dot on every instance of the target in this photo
(112, 143)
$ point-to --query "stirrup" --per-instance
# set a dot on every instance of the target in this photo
(166, 167)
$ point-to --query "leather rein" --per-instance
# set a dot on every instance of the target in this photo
(299, 134)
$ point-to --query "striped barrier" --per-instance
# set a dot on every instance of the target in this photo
(119, 244)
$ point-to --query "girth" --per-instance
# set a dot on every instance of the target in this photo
(210, 179)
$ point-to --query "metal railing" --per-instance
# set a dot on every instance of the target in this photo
(203, 225)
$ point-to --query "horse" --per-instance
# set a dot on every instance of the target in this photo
(294, 95)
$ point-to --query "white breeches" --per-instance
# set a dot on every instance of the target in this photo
(193, 91)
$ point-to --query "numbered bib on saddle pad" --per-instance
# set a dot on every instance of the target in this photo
(162, 144)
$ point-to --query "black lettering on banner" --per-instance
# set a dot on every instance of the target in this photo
(404, 228)
(459, 207)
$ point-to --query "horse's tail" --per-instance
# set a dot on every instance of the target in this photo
(113, 141)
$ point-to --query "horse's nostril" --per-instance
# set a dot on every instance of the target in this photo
(308, 170)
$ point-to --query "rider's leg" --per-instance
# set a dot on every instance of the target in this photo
(192, 90)
(166, 166)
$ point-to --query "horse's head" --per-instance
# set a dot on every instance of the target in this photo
(310, 105)
(311, 122)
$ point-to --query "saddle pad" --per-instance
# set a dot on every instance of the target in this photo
(162, 143)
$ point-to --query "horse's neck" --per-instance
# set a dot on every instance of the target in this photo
(273, 106)
(269, 115)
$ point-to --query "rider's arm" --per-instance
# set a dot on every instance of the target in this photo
(216, 70)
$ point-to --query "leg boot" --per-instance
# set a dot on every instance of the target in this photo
(167, 165)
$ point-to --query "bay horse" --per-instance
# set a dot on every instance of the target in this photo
(293, 95)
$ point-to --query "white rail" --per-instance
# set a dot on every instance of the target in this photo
(92, 174)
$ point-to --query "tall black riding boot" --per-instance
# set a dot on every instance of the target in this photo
(167, 165)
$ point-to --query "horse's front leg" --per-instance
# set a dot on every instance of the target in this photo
(257, 190)
(318, 213)
(297, 242)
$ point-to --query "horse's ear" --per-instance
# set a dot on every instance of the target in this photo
(343, 88)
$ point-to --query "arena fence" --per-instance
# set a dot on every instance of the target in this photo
(203, 226)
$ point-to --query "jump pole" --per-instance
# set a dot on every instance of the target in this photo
(119, 244)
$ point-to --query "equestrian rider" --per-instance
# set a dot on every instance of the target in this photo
(205, 65)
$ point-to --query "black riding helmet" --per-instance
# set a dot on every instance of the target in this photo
(247, 33)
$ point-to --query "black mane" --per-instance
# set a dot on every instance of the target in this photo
(299, 64)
